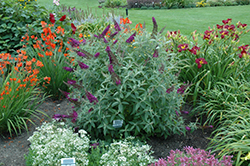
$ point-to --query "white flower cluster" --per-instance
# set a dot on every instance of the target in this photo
(127, 153)
(51, 143)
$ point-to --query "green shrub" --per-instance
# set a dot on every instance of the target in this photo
(144, 7)
(242, 2)
(130, 81)
(13, 23)
(115, 3)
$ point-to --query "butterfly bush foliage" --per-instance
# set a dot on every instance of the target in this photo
(125, 76)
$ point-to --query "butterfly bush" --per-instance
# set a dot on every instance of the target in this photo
(127, 153)
(124, 75)
(51, 142)
(192, 156)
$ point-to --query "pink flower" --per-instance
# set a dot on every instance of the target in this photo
(200, 62)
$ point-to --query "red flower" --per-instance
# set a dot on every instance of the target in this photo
(182, 47)
(244, 48)
(227, 21)
(52, 18)
(200, 61)
(63, 18)
(73, 28)
(194, 50)
(242, 54)
(231, 27)
(240, 25)
(206, 37)
(219, 26)
(223, 34)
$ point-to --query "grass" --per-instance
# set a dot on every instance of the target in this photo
(185, 20)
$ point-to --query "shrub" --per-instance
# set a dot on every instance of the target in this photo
(193, 156)
(200, 4)
(242, 2)
(18, 92)
(140, 3)
(14, 19)
(122, 82)
(115, 3)
(53, 141)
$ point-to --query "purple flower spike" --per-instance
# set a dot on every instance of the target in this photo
(184, 112)
(112, 35)
(115, 41)
(169, 90)
(57, 117)
(82, 65)
(105, 40)
(187, 128)
(68, 69)
(105, 31)
(74, 115)
(66, 94)
(177, 113)
(97, 54)
(211, 126)
(118, 82)
(74, 42)
(108, 49)
(156, 54)
(91, 109)
(71, 82)
(72, 100)
(154, 21)
(95, 145)
(91, 98)
(131, 38)
(80, 54)
(117, 27)
(111, 69)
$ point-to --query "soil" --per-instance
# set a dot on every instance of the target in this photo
(12, 150)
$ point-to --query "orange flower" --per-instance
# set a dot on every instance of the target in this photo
(28, 63)
(48, 53)
(32, 37)
(80, 35)
(35, 71)
(43, 24)
(39, 63)
(41, 55)
(47, 79)
(33, 60)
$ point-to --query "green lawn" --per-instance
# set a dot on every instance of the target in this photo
(186, 20)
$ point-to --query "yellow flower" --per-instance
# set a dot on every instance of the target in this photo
(247, 157)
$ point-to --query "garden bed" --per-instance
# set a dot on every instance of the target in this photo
(12, 150)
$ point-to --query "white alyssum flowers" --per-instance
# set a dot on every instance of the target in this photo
(127, 153)
(52, 142)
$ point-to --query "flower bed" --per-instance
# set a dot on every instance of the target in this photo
(116, 73)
